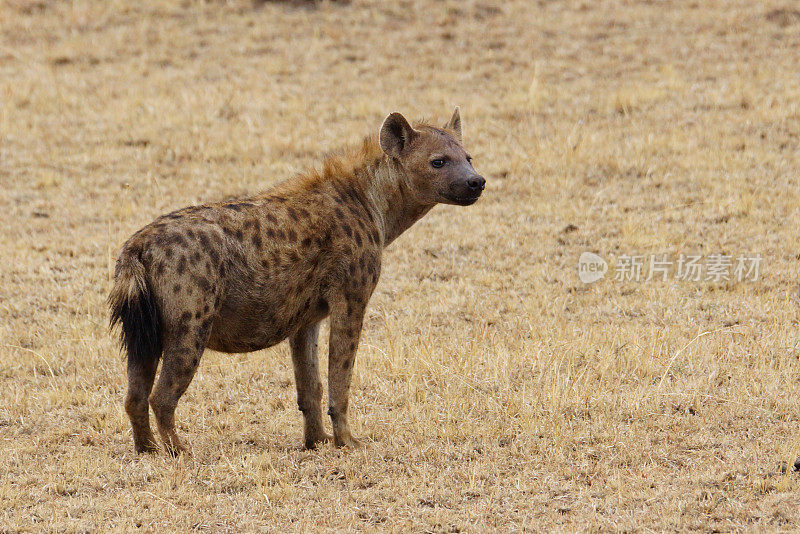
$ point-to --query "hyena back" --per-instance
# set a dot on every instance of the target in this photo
(244, 275)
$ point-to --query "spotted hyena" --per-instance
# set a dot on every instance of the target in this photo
(244, 275)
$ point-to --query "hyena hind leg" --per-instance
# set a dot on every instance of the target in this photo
(141, 376)
(177, 370)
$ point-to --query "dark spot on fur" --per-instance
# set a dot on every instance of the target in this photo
(352, 345)
(176, 288)
(222, 269)
(306, 242)
(234, 207)
(270, 233)
(214, 256)
(195, 362)
(292, 235)
(168, 252)
(351, 269)
(294, 256)
(292, 213)
(280, 234)
(181, 330)
(195, 257)
(177, 240)
(271, 218)
(339, 213)
(190, 233)
(160, 268)
(346, 364)
(257, 241)
(347, 230)
(239, 234)
(202, 282)
(204, 241)
(198, 314)
(206, 308)
(357, 237)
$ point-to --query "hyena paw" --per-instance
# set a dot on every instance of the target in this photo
(348, 441)
(314, 442)
(176, 450)
(146, 448)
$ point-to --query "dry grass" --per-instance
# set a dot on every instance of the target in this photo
(494, 389)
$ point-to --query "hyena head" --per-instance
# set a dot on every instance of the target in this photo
(439, 168)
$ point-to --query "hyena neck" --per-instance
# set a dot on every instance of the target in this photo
(391, 198)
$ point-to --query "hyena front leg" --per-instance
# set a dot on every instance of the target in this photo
(347, 316)
(309, 387)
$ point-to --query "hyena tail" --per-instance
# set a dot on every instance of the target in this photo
(134, 308)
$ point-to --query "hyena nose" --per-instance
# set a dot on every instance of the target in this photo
(476, 183)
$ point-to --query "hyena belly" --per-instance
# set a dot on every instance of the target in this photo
(268, 308)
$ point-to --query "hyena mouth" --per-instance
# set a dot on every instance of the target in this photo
(466, 200)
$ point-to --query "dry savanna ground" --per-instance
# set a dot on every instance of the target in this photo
(494, 389)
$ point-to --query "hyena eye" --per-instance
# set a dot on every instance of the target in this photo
(437, 163)
(469, 160)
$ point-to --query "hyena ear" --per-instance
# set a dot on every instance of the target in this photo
(396, 134)
(455, 124)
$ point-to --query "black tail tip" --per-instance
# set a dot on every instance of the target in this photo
(140, 332)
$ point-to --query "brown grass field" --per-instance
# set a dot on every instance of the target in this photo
(495, 391)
